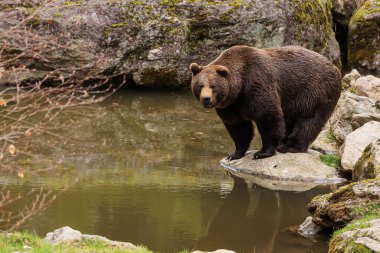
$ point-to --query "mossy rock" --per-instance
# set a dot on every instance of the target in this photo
(363, 38)
(350, 202)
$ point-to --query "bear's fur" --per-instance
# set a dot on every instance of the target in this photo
(290, 93)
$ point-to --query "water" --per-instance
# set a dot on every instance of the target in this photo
(147, 172)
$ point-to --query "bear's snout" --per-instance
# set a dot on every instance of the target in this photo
(206, 101)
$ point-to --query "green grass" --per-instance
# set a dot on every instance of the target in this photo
(368, 209)
(330, 160)
(358, 248)
(17, 241)
(360, 223)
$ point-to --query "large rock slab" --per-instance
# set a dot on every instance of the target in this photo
(356, 143)
(349, 105)
(363, 38)
(290, 172)
(368, 165)
(337, 209)
(151, 43)
(362, 236)
(368, 86)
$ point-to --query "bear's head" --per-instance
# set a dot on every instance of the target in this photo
(210, 84)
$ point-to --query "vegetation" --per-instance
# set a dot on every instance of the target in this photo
(25, 242)
(364, 222)
(331, 160)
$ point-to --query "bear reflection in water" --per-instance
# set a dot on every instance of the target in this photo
(256, 220)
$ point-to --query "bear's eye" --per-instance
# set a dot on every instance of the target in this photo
(212, 86)
(200, 85)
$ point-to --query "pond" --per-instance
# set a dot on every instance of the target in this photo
(143, 167)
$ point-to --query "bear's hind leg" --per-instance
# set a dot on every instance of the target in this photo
(304, 132)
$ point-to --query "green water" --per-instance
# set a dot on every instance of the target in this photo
(143, 167)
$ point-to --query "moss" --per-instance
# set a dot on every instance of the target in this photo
(352, 89)
(331, 136)
(367, 210)
(331, 160)
(314, 15)
(357, 224)
(119, 24)
(347, 244)
(365, 167)
(358, 248)
(69, 3)
(362, 43)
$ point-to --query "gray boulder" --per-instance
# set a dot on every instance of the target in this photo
(350, 78)
(364, 40)
(308, 228)
(67, 234)
(290, 172)
(368, 86)
(349, 105)
(62, 235)
(151, 43)
(356, 143)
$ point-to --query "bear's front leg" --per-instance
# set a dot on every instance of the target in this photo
(242, 134)
(272, 130)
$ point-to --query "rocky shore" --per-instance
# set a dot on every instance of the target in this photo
(353, 134)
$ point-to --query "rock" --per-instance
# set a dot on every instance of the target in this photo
(151, 43)
(356, 142)
(368, 165)
(350, 78)
(291, 171)
(342, 10)
(361, 234)
(360, 119)
(368, 86)
(364, 40)
(335, 210)
(62, 235)
(326, 142)
(216, 251)
(67, 234)
(308, 228)
(348, 105)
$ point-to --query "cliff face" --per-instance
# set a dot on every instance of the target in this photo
(151, 43)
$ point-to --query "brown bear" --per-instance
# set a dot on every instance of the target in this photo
(289, 92)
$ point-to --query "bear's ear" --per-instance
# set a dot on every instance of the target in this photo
(223, 71)
(195, 68)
